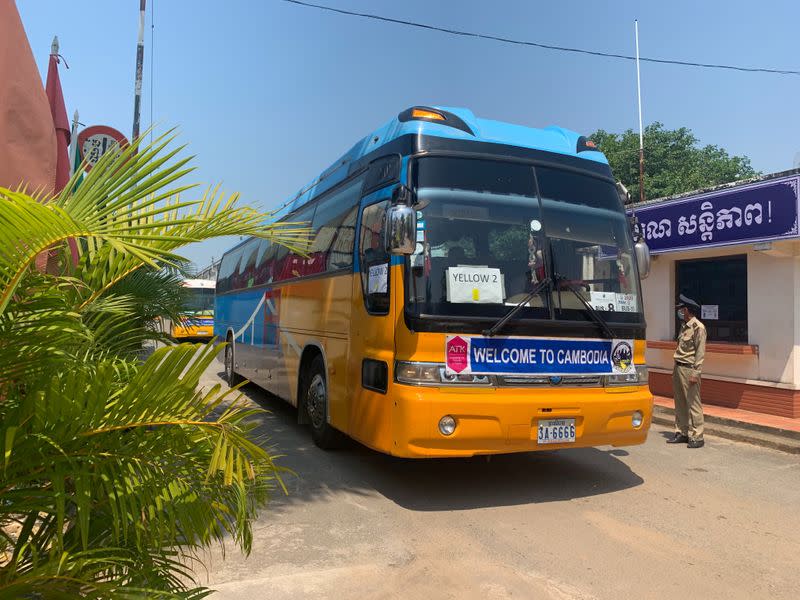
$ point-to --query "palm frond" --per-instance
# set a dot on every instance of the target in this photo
(125, 202)
(163, 463)
(116, 472)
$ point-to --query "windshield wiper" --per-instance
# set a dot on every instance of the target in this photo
(506, 317)
(560, 279)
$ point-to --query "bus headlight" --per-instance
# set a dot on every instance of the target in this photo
(636, 419)
(447, 425)
(638, 377)
(417, 373)
(456, 378)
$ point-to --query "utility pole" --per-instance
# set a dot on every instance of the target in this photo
(137, 102)
(641, 130)
(73, 148)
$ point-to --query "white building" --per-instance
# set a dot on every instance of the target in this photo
(735, 249)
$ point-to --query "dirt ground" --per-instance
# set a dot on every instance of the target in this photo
(651, 521)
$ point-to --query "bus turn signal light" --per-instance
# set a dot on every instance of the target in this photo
(419, 113)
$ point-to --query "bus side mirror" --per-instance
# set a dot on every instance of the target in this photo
(402, 222)
(642, 252)
(402, 194)
(624, 194)
(402, 234)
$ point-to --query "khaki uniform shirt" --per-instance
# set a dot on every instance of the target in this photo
(692, 345)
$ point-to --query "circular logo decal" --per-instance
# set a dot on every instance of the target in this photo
(622, 356)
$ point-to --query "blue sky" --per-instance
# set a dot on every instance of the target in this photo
(267, 94)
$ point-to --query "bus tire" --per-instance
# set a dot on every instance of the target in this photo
(231, 376)
(315, 403)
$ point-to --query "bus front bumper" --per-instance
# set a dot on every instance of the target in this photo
(193, 332)
(505, 420)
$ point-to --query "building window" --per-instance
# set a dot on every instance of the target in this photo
(719, 285)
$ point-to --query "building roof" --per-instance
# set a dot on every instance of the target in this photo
(715, 188)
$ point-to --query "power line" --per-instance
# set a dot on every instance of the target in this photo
(545, 46)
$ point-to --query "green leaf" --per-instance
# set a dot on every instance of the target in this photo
(118, 469)
(9, 445)
(673, 162)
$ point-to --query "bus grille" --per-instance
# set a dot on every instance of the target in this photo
(538, 380)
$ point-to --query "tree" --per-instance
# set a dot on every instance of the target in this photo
(674, 163)
(117, 473)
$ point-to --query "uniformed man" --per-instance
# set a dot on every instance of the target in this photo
(686, 376)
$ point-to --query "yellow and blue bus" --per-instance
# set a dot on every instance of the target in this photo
(472, 287)
(197, 318)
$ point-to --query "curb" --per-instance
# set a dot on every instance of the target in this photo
(739, 431)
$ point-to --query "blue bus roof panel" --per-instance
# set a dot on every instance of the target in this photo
(549, 139)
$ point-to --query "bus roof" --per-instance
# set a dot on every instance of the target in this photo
(457, 124)
(199, 283)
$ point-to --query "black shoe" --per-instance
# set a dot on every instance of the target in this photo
(695, 444)
(678, 438)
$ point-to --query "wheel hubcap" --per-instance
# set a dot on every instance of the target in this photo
(228, 362)
(315, 401)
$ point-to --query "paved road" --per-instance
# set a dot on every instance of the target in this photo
(651, 521)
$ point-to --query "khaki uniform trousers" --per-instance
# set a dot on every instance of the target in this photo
(688, 408)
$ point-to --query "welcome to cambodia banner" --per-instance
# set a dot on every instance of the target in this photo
(537, 356)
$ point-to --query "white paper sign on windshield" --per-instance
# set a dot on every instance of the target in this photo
(474, 285)
(627, 302)
(603, 300)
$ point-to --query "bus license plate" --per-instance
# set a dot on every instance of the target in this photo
(556, 431)
(203, 332)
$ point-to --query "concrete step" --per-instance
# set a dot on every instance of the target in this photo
(740, 431)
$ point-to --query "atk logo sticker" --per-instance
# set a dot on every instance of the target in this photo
(457, 354)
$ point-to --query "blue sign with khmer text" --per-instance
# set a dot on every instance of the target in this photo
(759, 211)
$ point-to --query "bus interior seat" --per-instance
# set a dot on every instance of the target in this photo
(456, 256)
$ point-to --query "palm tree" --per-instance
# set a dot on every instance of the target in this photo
(116, 473)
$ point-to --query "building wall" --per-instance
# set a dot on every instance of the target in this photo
(771, 312)
(773, 282)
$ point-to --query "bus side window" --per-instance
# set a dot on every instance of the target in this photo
(340, 255)
(290, 264)
(263, 262)
(243, 277)
(374, 258)
(334, 226)
(229, 265)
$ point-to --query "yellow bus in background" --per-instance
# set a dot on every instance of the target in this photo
(472, 287)
(197, 319)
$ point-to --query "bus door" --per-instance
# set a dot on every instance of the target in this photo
(372, 328)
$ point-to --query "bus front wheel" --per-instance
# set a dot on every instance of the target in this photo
(315, 401)
(231, 376)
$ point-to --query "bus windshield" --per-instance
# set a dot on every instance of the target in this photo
(199, 302)
(485, 237)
